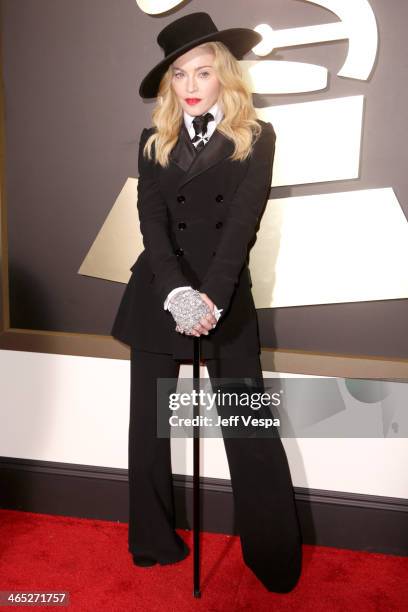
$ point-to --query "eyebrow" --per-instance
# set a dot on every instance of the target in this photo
(198, 68)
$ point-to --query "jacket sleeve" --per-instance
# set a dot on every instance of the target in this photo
(243, 214)
(154, 227)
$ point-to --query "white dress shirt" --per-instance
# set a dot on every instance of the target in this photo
(188, 122)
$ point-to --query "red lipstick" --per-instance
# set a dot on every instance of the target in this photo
(192, 101)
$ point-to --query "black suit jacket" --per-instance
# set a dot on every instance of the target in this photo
(198, 218)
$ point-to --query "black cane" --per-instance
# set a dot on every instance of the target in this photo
(196, 472)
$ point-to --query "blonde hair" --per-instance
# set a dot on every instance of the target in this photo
(239, 122)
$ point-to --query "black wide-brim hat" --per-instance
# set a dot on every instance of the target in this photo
(188, 32)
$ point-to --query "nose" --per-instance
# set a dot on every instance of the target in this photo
(191, 83)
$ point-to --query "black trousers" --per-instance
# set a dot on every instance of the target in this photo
(260, 478)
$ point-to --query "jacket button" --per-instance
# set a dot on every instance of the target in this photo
(219, 197)
(214, 252)
(218, 225)
(182, 225)
(181, 198)
(179, 252)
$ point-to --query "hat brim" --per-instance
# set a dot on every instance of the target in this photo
(238, 40)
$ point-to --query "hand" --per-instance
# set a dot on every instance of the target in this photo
(188, 309)
(206, 323)
(193, 312)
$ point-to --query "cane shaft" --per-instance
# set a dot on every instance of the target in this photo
(196, 472)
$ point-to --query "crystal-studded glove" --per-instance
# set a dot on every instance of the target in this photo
(188, 308)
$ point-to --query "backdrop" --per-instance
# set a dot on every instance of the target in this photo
(73, 118)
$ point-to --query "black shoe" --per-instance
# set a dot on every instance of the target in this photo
(185, 552)
(143, 561)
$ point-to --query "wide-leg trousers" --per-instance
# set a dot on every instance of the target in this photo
(262, 488)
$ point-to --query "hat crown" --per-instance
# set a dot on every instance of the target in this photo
(184, 30)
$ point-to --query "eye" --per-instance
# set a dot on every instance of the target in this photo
(204, 73)
(177, 74)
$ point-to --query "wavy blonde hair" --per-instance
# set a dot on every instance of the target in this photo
(239, 122)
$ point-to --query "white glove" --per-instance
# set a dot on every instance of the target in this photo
(188, 308)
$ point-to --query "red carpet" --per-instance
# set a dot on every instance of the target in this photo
(89, 559)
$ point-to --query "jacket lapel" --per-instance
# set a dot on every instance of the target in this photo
(193, 162)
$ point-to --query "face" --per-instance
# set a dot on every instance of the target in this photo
(195, 81)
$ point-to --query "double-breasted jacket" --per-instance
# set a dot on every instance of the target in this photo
(198, 218)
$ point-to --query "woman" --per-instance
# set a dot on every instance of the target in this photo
(205, 172)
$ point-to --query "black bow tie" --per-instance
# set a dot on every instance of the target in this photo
(200, 123)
